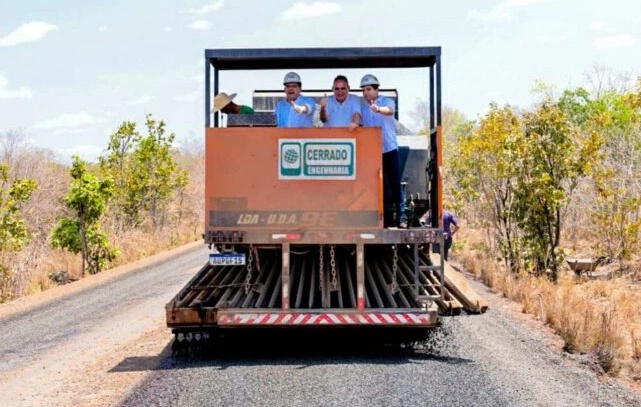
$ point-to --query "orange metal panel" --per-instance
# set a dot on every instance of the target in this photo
(247, 187)
(177, 317)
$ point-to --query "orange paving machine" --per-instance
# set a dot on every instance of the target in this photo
(294, 216)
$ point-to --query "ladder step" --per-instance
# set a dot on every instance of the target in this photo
(429, 297)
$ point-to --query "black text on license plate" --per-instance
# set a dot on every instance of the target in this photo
(227, 259)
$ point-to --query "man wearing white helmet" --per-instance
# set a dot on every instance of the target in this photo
(378, 111)
(342, 109)
(296, 110)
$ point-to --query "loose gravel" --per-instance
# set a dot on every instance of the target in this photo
(492, 359)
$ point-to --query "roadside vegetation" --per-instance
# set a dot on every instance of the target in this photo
(59, 222)
(557, 181)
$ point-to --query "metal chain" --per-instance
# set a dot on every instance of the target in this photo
(250, 258)
(394, 270)
(320, 268)
(332, 263)
(255, 251)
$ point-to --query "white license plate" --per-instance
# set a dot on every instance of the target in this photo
(227, 259)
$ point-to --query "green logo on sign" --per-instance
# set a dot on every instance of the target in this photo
(290, 156)
(317, 159)
(290, 162)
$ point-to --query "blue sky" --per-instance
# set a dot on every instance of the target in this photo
(72, 70)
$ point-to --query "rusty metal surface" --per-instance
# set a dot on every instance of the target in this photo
(316, 282)
(366, 236)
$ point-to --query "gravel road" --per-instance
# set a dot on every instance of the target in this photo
(102, 342)
(476, 360)
(52, 344)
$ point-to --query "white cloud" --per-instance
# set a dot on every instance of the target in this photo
(22, 93)
(102, 28)
(139, 101)
(494, 15)
(615, 41)
(568, 36)
(200, 25)
(69, 121)
(167, 28)
(62, 131)
(301, 10)
(189, 97)
(199, 78)
(207, 8)
(602, 27)
(502, 11)
(32, 31)
(543, 38)
(521, 3)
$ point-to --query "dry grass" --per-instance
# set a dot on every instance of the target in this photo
(598, 317)
(138, 244)
(132, 246)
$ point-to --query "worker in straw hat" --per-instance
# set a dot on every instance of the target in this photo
(223, 102)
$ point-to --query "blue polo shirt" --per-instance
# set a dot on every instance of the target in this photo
(387, 123)
(340, 114)
(286, 116)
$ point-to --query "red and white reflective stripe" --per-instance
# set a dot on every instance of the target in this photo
(368, 318)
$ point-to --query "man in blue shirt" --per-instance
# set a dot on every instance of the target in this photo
(378, 111)
(296, 110)
(451, 225)
(341, 109)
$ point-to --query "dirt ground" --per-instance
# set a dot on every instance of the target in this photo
(90, 376)
(96, 367)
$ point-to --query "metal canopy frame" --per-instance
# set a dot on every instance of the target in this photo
(312, 58)
(346, 58)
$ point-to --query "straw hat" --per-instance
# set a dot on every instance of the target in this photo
(221, 100)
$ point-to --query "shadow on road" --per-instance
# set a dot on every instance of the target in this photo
(298, 348)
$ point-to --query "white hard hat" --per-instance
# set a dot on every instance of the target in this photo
(291, 77)
(369, 80)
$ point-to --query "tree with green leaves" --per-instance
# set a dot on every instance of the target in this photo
(520, 170)
(484, 169)
(146, 174)
(81, 232)
(14, 233)
(616, 118)
(553, 155)
(117, 165)
(157, 177)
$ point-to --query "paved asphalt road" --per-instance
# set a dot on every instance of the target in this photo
(475, 360)
(25, 336)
